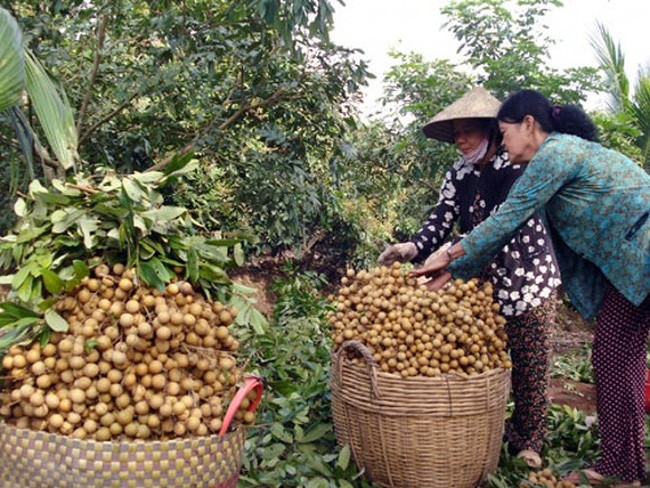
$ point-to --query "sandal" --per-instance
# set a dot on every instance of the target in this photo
(531, 458)
(593, 478)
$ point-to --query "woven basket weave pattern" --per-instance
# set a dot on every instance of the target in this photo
(34, 459)
(420, 432)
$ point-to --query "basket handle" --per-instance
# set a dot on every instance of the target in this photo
(250, 383)
(371, 365)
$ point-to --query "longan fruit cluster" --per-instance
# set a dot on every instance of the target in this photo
(546, 479)
(412, 331)
(136, 363)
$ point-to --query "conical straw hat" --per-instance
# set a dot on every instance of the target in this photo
(478, 103)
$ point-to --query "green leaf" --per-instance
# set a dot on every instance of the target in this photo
(53, 110)
(178, 163)
(278, 430)
(88, 225)
(25, 290)
(273, 451)
(45, 304)
(238, 254)
(164, 214)
(52, 282)
(161, 270)
(12, 65)
(81, 270)
(20, 322)
(20, 207)
(214, 274)
(22, 275)
(132, 190)
(344, 457)
(13, 336)
(192, 269)
(45, 336)
(31, 233)
(149, 274)
(315, 433)
(317, 483)
(148, 177)
(16, 311)
(65, 218)
(55, 321)
(222, 242)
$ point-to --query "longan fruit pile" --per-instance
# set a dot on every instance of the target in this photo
(412, 331)
(545, 478)
(136, 363)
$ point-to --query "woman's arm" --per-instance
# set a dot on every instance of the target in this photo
(556, 164)
(440, 223)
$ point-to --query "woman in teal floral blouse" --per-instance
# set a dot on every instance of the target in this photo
(597, 203)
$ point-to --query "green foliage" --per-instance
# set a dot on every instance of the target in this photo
(506, 43)
(12, 77)
(119, 219)
(628, 127)
(295, 445)
(574, 365)
(571, 443)
(254, 87)
(618, 131)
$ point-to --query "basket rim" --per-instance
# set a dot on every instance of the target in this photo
(4, 425)
(338, 358)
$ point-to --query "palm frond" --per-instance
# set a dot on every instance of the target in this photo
(612, 61)
(640, 107)
(12, 62)
(25, 136)
(54, 112)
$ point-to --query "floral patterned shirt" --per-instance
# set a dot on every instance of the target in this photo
(598, 206)
(524, 272)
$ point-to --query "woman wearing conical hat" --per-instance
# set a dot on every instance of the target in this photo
(524, 273)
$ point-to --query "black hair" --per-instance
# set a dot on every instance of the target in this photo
(569, 119)
(494, 134)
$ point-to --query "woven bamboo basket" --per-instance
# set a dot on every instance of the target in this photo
(37, 459)
(418, 432)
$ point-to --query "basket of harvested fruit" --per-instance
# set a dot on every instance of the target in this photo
(142, 390)
(419, 379)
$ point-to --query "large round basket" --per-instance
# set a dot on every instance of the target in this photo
(418, 432)
(37, 459)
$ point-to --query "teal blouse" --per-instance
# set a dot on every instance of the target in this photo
(597, 203)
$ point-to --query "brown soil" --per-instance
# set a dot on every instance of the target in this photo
(581, 396)
(571, 332)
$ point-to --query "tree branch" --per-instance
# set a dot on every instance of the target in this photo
(279, 94)
(101, 35)
(106, 118)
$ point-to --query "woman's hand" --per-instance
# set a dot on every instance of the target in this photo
(435, 271)
(438, 281)
(434, 267)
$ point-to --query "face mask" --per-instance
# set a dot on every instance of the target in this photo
(477, 154)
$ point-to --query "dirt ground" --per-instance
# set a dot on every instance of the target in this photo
(571, 332)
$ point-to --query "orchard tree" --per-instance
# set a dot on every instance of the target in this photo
(506, 43)
(253, 89)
